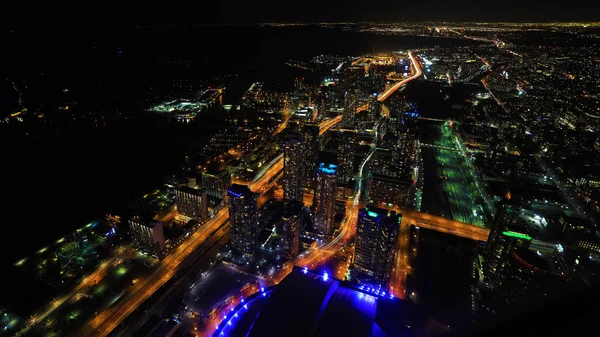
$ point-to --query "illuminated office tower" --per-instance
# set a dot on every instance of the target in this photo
(310, 150)
(350, 106)
(243, 215)
(191, 202)
(325, 195)
(293, 173)
(291, 223)
(376, 241)
(147, 235)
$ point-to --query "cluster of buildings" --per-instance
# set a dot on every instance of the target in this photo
(188, 205)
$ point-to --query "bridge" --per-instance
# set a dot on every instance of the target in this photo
(401, 267)
(439, 147)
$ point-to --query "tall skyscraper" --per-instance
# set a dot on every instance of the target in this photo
(374, 108)
(243, 215)
(216, 183)
(345, 156)
(292, 221)
(191, 202)
(350, 106)
(310, 149)
(293, 173)
(503, 240)
(376, 241)
(325, 195)
(147, 235)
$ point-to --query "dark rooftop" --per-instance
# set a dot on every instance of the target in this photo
(310, 304)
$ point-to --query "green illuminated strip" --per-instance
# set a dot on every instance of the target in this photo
(372, 214)
(517, 235)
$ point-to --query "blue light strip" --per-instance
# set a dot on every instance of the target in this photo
(227, 320)
(234, 193)
(376, 291)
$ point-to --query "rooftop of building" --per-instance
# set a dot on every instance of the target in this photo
(191, 190)
(240, 190)
(375, 212)
(311, 304)
(214, 171)
(292, 208)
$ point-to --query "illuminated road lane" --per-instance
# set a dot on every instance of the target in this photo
(89, 280)
(382, 97)
(109, 319)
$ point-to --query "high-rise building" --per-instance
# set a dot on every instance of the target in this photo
(191, 202)
(345, 156)
(503, 240)
(291, 223)
(389, 190)
(293, 167)
(216, 183)
(374, 108)
(243, 215)
(350, 106)
(310, 150)
(147, 235)
(325, 195)
(376, 241)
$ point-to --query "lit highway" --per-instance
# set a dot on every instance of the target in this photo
(109, 319)
(328, 124)
(382, 97)
(401, 266)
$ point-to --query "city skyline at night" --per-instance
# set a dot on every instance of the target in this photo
(428, 176)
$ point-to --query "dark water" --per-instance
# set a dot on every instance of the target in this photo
(61, 180)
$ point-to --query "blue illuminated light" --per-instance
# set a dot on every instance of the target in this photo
(305, 270)
(231, 309)
(224, 316)
(329, 169)
(383, 293)
(325, 276)
(242, 300)
(245, 306)
(262, 289)
(235, 315)
(234, 194)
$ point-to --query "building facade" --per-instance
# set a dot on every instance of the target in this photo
(389, 190)
(376, 241)
(502, 243)
(291, 223)
(243, 216)
(216, 183)
(293, 186)
(310, 150)
(191, 202)
(325, 196)
(350, 106)
(147, 235)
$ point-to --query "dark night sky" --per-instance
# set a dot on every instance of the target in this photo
(251, 11)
